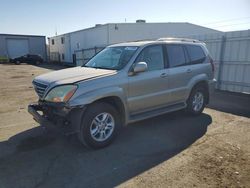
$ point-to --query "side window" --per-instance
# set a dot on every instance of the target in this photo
(62, 40)
(176, 55)
(52, 41)
(153, 56)
(196, 54)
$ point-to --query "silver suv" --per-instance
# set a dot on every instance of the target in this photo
(125, 83)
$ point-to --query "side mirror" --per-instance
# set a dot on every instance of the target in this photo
(140, 67)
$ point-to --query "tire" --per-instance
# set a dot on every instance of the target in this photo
(196, 101)
(17, 62)
(37, 63)
(93, 125)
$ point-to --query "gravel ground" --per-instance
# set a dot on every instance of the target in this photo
(172, 150)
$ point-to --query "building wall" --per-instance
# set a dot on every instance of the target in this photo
(37, 44)
(141, 31)
(89, 38)
(58, 48)
(3, 50)
(79, 40)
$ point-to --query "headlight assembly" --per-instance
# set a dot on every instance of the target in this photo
(61, 93)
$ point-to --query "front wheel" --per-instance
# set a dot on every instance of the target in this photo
(100, 125)
(196, 101)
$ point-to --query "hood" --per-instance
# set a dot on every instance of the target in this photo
(71, 75)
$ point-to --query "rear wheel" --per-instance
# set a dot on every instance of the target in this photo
(17, 62)
(37, 63)
(196, 101)
(100, 125)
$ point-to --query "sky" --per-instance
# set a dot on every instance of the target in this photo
(46, 17)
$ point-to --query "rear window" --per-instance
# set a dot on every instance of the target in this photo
(196, 54)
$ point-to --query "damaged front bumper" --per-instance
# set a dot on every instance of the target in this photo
(33, 110)
(64, 118)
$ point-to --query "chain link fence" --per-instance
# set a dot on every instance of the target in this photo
(82, 56)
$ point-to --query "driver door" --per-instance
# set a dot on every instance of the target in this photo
(148, 90)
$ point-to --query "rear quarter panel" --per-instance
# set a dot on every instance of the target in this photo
(202, 72)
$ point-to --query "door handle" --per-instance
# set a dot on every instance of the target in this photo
(189, 70)
(164, 75)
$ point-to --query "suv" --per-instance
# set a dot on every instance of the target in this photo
(29, 58)
(125, 83)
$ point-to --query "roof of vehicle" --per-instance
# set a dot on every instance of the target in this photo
(137, 43)
(159, 41)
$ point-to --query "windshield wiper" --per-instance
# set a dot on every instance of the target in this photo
(100, 68)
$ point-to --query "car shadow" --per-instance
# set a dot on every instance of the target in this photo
(36, 158)
(230, 102)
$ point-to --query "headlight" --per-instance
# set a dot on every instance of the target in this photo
(61, 93)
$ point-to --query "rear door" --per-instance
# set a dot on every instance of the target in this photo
(198, 62)
(179, 72)
(148, 90)
(185, 63)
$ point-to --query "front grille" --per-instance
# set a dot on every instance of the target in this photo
(40, 88)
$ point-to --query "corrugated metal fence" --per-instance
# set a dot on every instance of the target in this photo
(231, 53)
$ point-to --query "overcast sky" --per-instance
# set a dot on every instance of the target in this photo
(45, 17)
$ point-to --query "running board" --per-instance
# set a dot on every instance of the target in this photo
(156, 112)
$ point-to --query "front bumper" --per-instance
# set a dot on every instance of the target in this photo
(33, 110)
(57, 115)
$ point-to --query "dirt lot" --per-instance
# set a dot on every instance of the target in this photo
(172, 150)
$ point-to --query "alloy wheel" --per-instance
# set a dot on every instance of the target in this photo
(198, 101)
(102, 127)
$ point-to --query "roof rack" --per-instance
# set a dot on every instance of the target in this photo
(179, 39)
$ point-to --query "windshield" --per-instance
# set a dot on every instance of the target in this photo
(114, 58)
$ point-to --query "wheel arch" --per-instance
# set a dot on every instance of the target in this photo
(204, 85)
(117, 103)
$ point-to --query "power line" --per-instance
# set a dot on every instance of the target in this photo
(229, 20)
(232, 24)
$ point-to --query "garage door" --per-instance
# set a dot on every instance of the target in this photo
(17, 47)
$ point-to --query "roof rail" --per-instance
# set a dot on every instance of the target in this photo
(179, 39)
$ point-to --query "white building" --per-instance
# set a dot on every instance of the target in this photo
(82, 43)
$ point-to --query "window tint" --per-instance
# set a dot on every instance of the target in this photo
(153, 56)
(196, 54)
(176, 56)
